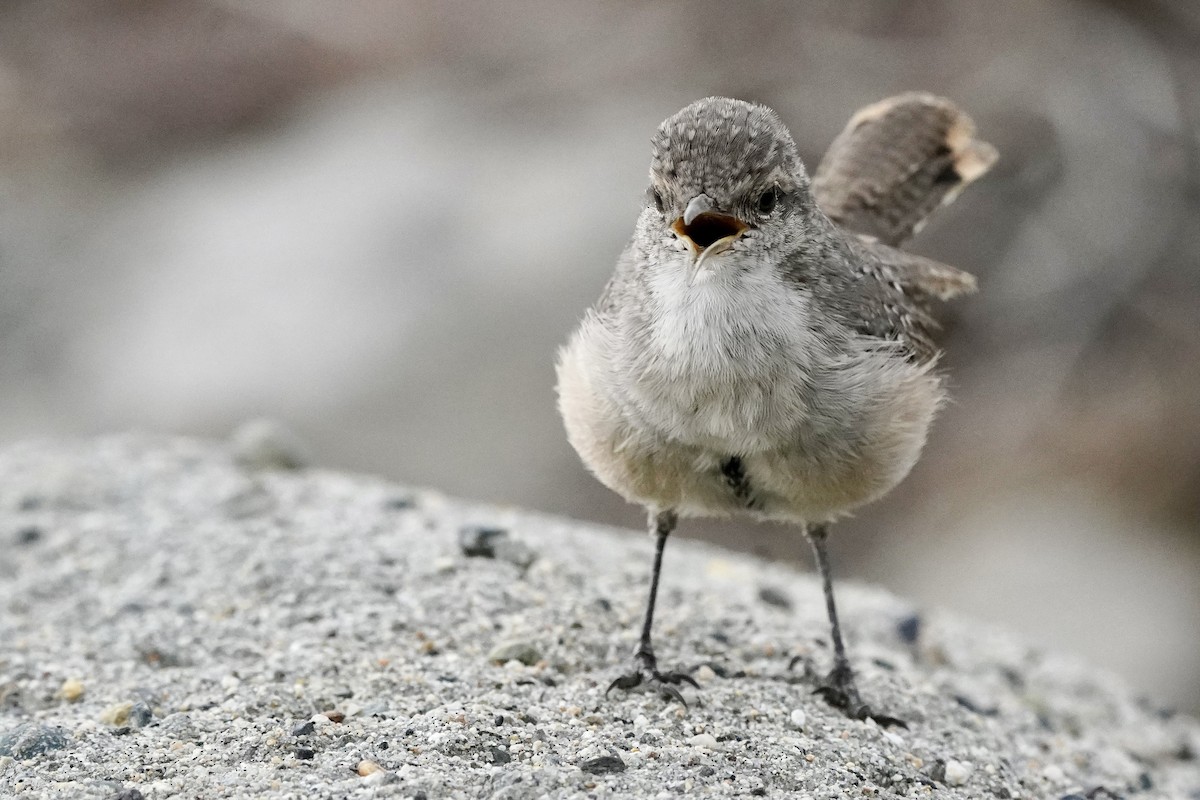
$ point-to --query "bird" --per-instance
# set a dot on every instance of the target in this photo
(763, 347)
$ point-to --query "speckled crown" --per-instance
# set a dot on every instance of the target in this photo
(710, 145)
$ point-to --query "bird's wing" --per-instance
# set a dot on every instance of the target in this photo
(896, 162)
(885, 293)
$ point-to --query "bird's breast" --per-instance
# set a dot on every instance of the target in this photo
(724, 363)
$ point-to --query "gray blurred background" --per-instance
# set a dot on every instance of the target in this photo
(376, 222)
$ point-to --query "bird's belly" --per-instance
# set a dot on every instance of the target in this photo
(803, 454)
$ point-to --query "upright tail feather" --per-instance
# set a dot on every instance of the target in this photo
(896, 162)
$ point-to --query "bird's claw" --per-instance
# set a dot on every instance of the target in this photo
(840, 692)
(646, 673)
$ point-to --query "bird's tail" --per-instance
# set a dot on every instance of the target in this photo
(896, 162)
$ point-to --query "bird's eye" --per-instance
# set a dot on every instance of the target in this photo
(767, 200)
(656, 198)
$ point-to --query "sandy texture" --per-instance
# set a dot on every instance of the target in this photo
(178, 621)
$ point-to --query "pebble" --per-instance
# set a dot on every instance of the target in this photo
(704, 675)
(117, 714)
(262, 444)
(515, 650)
(1054, 774)
(366, 768)
(705, 740)
(798, 718)
(379, 776)
(140, 715)
(909, 629)
(480, 542)
(29, 534)
(303, 728)
(130, 794)
(603, 765)
(483, 542)
(957, 772)
(305, 753)
(30, 739)
(774, 596)
(71, 690)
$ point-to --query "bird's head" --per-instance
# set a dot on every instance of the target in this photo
(725, 177)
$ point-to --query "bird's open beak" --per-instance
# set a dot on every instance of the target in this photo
(705, 230)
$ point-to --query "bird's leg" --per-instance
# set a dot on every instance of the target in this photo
(645, 665)
(839, 689)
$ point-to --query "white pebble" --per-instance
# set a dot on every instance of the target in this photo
(704, 675)
(1054, 774)
(705, 740)
(798, 718)
(376, 778)
(957, 772)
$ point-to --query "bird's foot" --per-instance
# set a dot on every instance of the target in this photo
(841, 692)
(645, 673)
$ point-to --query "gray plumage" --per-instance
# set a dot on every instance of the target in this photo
(762, 347)
(804, 349)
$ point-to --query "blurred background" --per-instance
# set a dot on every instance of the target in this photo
(377, 221)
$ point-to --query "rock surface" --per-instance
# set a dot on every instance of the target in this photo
(272, 632)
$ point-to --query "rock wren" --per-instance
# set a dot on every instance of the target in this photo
(763, 348)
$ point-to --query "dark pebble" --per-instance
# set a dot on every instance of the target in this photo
(774, 597)
(480, 542)
(305, 753)
(604, 765)
(971, 705)
(399, 503)
(706, 771)
(759, 791)
(1072, 797)
(30, 534)
(909, 629)
(30, 739)
(129, 794)
(140, 715)
(499, 720)
(124, 730)
(303, 728)
(420, 796)
(500, 756)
